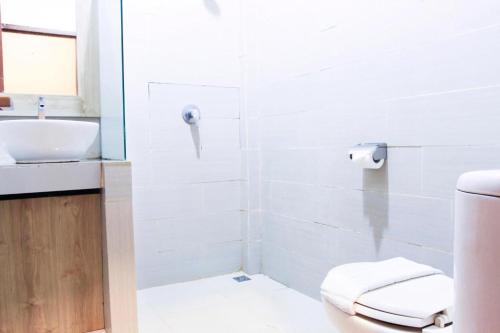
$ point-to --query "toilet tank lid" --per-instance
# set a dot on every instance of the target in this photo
(485, 182)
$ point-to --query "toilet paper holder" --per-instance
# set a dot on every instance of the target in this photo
(369, 155)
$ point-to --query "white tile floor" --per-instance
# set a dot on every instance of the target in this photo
(221, 305)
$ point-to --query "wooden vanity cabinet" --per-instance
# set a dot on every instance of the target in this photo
(51, 264)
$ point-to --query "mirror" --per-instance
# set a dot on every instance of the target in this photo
(39, 47)
(51, 48)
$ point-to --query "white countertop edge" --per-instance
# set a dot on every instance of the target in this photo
(50, 177)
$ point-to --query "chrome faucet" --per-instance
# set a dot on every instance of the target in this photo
(41, 107)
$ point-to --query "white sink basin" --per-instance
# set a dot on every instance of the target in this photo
(46, 140)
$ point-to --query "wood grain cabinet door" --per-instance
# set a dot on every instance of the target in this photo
(51, 265)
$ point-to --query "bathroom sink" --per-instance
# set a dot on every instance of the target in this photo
(46, 140)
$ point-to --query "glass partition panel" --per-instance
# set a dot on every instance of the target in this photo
(111, 77)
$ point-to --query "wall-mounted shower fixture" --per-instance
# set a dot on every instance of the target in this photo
(191, 115)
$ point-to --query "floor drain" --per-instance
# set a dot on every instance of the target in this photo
(242, 278)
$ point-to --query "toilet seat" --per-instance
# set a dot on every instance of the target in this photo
(413, 303)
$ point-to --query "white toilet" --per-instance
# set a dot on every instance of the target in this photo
(422, 304)
(398, 295)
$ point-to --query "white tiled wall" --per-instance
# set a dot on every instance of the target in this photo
(323, 75)
(285, 88)
(187, 192)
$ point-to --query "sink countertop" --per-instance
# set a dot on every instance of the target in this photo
(49, 177)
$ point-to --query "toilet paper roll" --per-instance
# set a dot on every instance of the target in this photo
(364, 159)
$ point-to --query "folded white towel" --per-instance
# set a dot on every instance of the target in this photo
(345, 284)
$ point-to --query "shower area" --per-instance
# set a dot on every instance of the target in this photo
(239, 119)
